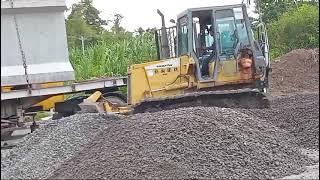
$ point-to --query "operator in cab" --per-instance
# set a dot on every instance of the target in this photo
(206, 60)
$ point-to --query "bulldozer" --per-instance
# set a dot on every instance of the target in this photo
(211, 57)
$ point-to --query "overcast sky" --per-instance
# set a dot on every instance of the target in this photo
(142, 13)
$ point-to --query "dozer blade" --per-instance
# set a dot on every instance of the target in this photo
(247, 99)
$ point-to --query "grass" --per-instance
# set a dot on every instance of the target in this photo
(109, 58)
(41, 114)
(38, 116)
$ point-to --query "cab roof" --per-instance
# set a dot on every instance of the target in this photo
(183, 13)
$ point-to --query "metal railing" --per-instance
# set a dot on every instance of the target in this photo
(172, 42)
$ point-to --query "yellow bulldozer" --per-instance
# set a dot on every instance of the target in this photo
(211, 57)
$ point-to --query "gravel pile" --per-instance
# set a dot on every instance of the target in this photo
(298, 114)
(296, 71)
(47, 148)
(200, 142)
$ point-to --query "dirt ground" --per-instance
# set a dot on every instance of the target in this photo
(296, 72)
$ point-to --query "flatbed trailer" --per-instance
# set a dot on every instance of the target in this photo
(14, 102)
(66, 89)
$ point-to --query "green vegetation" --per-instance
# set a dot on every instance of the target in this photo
(272, 10)
(104, 52)
(111, 58)
(40, 115)
(291, 24)
(297, 28)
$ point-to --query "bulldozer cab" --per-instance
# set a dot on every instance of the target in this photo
(216, 38)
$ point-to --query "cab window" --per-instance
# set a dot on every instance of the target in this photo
(226, 32)
(183, 36)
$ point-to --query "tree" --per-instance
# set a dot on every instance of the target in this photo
(297, 28)
(140, 31)
(77, 27)
(151, 29)
(89, 13)
(271, 10)
(116, 24)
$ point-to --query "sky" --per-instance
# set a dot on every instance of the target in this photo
(143, 13)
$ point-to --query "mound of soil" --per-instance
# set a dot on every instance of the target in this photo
(199, 142)
(296, 71)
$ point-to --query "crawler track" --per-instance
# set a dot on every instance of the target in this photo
(227, 99)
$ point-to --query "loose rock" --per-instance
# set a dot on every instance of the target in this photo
(201, 142)
(298, 114)
(43, 151)
(296, 72)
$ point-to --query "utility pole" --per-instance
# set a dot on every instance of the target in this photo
(82, 44)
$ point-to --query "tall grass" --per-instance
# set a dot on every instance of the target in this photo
(111, 57)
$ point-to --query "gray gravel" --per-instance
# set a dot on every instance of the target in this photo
(311, 172)
(298, 114)
(200, 142)
(43, 151)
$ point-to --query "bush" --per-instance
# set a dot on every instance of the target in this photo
(297, 28)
